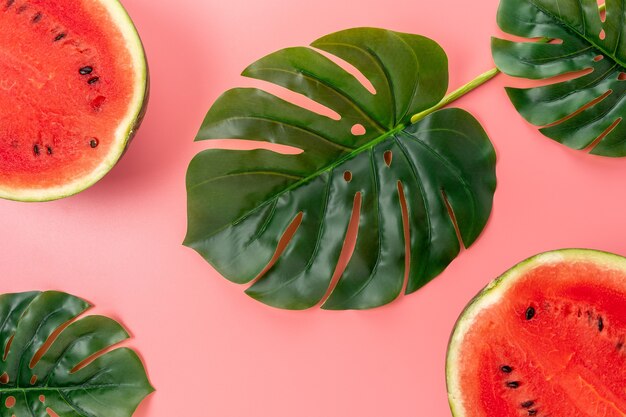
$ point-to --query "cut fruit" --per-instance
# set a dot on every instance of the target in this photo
(73, 91)
(547, 338)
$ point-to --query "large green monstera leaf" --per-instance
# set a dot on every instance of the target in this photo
(586, 110)
(438, 171)
(48, 364)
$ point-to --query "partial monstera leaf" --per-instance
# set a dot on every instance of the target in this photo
(51, 361)
(587, 110)
(370, 159)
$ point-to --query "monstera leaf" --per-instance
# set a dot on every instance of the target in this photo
(438, 171)
(587, 109)
(48, 364)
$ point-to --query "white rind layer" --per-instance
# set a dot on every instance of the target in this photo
(125, 130)
(497, 289)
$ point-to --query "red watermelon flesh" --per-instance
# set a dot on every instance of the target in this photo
(548, 338)
(73, 82)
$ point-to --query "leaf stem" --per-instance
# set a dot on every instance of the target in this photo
(458, 93)
(476, 82)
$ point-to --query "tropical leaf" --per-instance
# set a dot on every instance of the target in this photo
(586, 110)
(48, 364)
(241, 202)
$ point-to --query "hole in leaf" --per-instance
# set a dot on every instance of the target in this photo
(358, 130)
(7, 347)
(347, 249)
(350, 69)
(245, 144)
(347, 176)
(4, 378)
(602, 15)
(583, 108)
(33, 380)
(80, 365)
(42, 350)
(407, 236)
(280, 248)
(603, 134)
(555, 79)
(555, 41)
(293, 97)
(10, 401)
(388, 156)
(523, 39)
(42, 398)
(51, 412)
(602, 35)
(453, 218)
(598, 58)
(621, 76)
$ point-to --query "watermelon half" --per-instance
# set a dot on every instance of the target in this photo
(73, 89)
(546, 339)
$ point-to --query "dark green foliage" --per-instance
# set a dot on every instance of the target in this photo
(588, 107)
(71, 375)
(241, 202)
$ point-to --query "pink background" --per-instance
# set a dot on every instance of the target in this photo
(209, 349)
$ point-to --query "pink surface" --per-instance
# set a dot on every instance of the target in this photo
(209, 349)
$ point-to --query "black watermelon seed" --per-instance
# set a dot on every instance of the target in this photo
(530, 313)
(49, 150)
(93, 80)
(59, 37)
(513, 384)
(619, 344)
(532, 412)
(37, 17)
(85, 70)
(600, 324)
(93, 142)
(527, 404)
(506, 369)
(36, 149)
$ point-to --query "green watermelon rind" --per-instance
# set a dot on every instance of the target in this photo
(124, 22)
(497, 289)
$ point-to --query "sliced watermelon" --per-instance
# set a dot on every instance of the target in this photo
(73, 89)
(547, 338)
